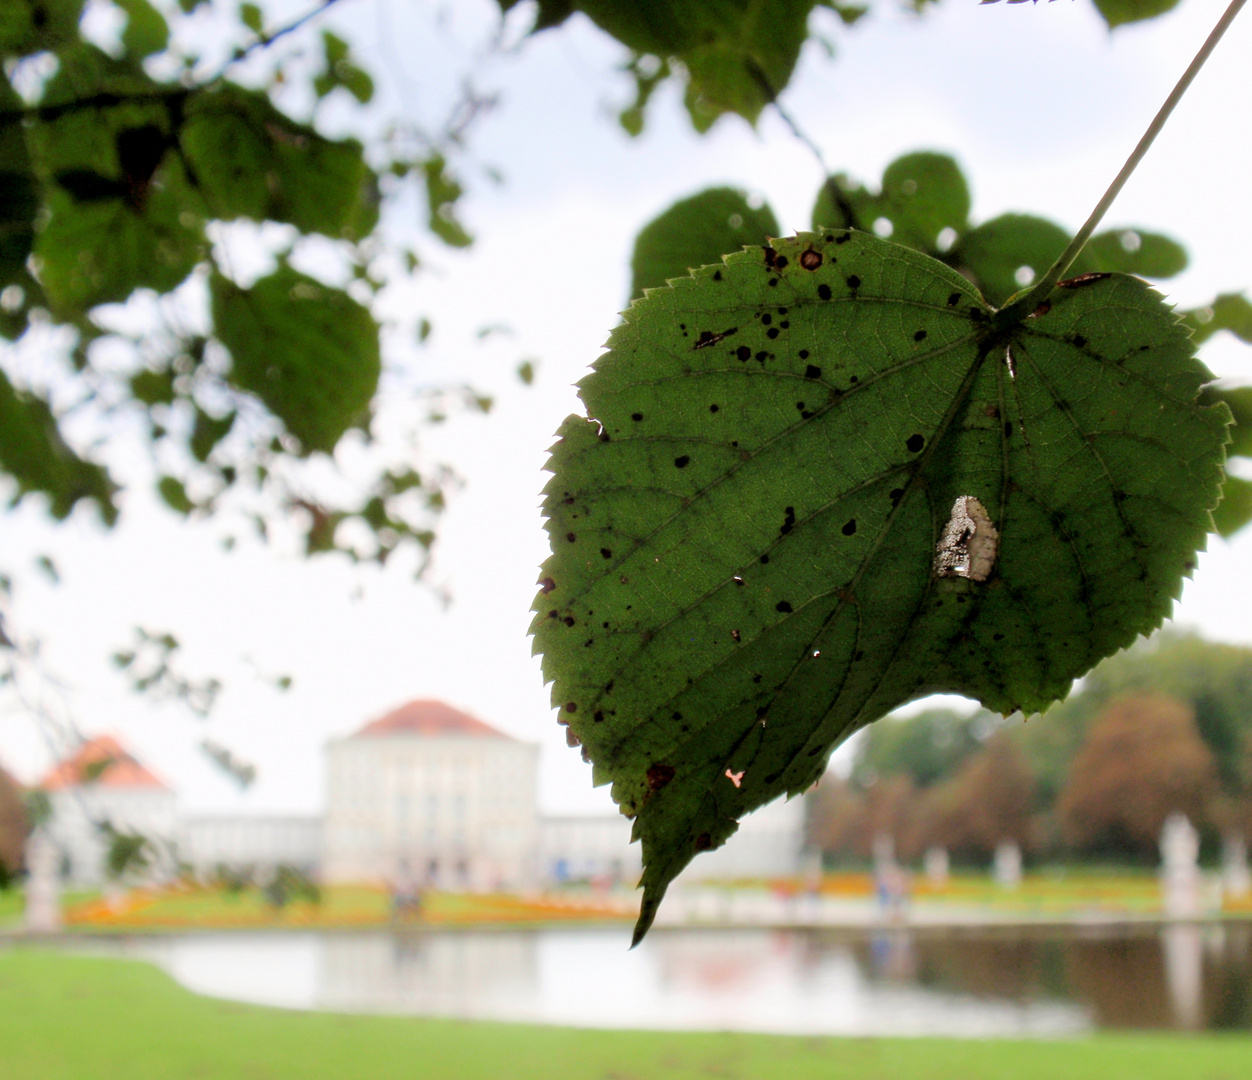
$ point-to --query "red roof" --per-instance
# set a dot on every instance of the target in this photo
(428, 718)
(102, 761)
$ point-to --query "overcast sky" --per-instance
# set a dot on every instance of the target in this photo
(1040, 104)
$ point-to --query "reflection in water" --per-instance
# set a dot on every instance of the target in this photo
(895, 981)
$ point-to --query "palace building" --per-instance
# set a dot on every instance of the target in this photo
(430, 793)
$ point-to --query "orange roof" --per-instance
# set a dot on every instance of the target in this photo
(99, 761)
(428, 718)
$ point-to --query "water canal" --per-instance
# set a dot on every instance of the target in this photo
(972, 983)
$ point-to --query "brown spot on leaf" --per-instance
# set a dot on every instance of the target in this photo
(658, 776)
(1081, 280)
(547, 585)
(810, 260)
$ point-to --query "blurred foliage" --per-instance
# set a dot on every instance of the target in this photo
(287, 884)
(1162, 726)
(128, 854)
(14, 826)
(115, 182)
(1143, 759)
(241, 772)
(150, 666)
(695, 232)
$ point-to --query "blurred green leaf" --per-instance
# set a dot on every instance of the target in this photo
(998, 249)
(251, 17)
(1131, 251)
(1239, 400)
(30, 26)
(249, 160)
(921, 194)
(146, 31)
(208, 432)
(33, 452)
(340, 71)
(738, 54)
(697, 231)
(442, 193)
(308, 351)
(100, 252)
(849, 13)
(1230, 311)
(174, 494)
(526, 372)
(153, 387)
(1235, 509)
(1117, 12)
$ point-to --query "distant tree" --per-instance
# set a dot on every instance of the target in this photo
(12, 828)
(835, 809)
(1214, 679)
(1142, 760)
(927, 747)
(990, 800)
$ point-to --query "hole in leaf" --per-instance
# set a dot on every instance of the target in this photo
(883, 227)
(1024, 275)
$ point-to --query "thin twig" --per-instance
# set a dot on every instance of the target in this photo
(1040, 292)
(837, 195)
(264, 41)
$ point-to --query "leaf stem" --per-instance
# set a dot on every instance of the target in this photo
(1023, 306)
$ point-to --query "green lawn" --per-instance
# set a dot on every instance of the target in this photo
(11, 906)
(79, 1018)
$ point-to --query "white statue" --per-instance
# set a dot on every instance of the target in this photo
(936, 864)
(43, 884)
(1008, 864)
(1180, 871)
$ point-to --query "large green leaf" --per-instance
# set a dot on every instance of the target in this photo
(34, 454)
(818, 480)
(308, 351)
(697, 231)
(249, 160)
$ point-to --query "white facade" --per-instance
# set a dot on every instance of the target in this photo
(768, 843)
(103, 784)
(586, 847)
(256, 842)
(431, 793)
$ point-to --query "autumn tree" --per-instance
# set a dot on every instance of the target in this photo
(1142, 761)
(989, 800)
(12, 828)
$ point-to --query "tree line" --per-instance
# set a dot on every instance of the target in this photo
(1163, 727)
